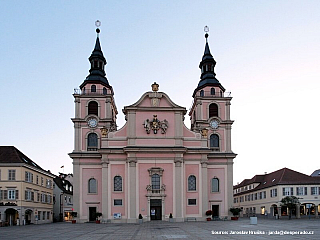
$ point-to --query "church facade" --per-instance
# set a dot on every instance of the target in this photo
(154, 166)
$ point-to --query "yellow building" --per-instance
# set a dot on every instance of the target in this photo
(26, 190)
(261, 195)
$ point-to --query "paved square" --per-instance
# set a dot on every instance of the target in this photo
(165, 230)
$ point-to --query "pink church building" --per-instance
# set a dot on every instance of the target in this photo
(154, 165)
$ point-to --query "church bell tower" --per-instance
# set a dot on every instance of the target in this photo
(210, 111)
(95, 117)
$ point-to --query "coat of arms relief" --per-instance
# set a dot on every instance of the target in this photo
(155, 125)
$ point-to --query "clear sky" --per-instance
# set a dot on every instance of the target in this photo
(267, 53)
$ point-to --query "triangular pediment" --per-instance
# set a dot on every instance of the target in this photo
(155, 100)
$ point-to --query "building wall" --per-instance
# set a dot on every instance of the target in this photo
(268, 203)
(27, 202)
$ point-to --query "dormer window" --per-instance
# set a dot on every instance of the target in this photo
(93, 88)
(95, 64)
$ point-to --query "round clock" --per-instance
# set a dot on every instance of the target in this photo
(214, 124)
(92, 122)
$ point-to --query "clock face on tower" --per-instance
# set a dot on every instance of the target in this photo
(92, 122)
(214, 124)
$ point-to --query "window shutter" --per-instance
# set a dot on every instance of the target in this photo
(292, 191)
(5, 194)
(26, 195)
(298, 192)
(26, 176)
(283, 191)
(305, 191)
(1, 192)
(17, 194)
(32, 196)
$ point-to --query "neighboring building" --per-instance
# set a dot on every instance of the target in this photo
(261, 195)
(316, 173)
(154, 165)
(25, 189)
(63, 197)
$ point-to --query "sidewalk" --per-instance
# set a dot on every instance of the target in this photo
(240, 229)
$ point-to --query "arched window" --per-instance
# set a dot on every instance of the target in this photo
(93, 88)
(117, 184)
(155, 181)
(214, 141)
(92, 142)
(214, 185)
(192, 186)
(213, 110)
(93, 108)
(92, 185)
(213, 91)
(201, 93)
(104, 91)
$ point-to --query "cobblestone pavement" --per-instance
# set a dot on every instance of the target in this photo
(164, 230)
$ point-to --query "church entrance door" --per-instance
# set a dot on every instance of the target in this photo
(155, 209)
(92, 213)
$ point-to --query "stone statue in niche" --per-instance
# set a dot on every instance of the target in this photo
(155, 125)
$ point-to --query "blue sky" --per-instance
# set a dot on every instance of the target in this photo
(267, 54)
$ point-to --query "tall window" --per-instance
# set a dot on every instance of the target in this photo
(302, 191)
(11, 175)
(93, 107)
(214, 185)
(315, 190)
(92, 185)
(192, 186)
(287, 191)
(104, 91)
(213, 110)
(214, 141)
(92, 142)
(155, 181)
(273, 192)
(28, 177)
(12, 194)
(213, 91)
(93, 88)
(117, 182)
(201, 93)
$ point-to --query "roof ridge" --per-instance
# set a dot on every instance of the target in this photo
(282, 174)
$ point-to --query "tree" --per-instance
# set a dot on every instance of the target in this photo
(235, 211)
(291, 202)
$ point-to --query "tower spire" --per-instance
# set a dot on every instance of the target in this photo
(97, 73)
(207, 65)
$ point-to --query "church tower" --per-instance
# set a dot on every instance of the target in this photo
(95, 116)
(210, 111)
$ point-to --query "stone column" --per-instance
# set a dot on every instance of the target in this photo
(229, 187)
(179, 203)
(298, 211)
(77, 136)
(108, 109)
(163, 217)
(77, 186)
(132, 193)
(204, 175)
(104, 186)
(199, 113)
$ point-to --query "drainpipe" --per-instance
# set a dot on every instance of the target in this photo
(60, 214)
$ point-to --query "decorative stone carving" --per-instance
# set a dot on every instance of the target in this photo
(155, 87)
(104, 131)
(204, 132)
(155, 125)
